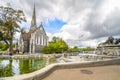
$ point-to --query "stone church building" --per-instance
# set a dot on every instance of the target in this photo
(35, 39)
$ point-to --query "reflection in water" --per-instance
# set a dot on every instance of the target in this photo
(20, 66)
(15, 67)
(4, 63)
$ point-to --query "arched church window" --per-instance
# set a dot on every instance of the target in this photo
(43, 40)
(39, 40)
(36, 40)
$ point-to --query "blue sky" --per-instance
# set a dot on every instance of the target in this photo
(53, 26)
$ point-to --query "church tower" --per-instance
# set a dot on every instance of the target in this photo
(33, 26)
(34, 40)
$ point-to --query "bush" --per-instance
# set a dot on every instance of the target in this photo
(46, 50)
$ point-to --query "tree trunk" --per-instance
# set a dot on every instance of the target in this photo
(11, 41)
(11, 49)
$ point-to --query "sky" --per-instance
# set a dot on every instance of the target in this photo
(82, 23)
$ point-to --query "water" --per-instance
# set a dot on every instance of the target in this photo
(20, 66)
(84, 58)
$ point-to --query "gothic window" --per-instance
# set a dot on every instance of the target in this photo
(36, 40)
(42, 40)
(45, 42)
(39, 40)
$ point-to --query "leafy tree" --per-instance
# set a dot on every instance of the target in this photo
(62, 45)
(86, 49)
(3, 47)
(75, 48)
(45, 50)
(9, 19)
(57, 45)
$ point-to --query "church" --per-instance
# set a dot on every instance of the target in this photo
(35, 39)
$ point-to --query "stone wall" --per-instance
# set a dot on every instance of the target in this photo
(38, 48)
(40, 74)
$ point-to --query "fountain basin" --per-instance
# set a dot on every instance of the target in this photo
(12, 67)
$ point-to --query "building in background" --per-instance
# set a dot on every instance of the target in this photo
(35, 39)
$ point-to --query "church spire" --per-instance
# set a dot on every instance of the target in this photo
(33, 21)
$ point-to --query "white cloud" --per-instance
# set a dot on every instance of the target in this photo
(17, 35)
(87, 20)
(50, 35)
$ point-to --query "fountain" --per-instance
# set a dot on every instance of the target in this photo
(81, 57)
(85, 57)
(110, 47)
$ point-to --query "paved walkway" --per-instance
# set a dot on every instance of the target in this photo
(111, 72)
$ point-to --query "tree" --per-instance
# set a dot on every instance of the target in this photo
(57, 45)
(9, 19)
(3, 46)
(55, 39)
(62, 45)
(74, 49)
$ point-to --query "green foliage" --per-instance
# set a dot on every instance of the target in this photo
(3, 47)
(46, 50)
(57, 45)
(9, 24)
(75, 49)
(86, 49)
